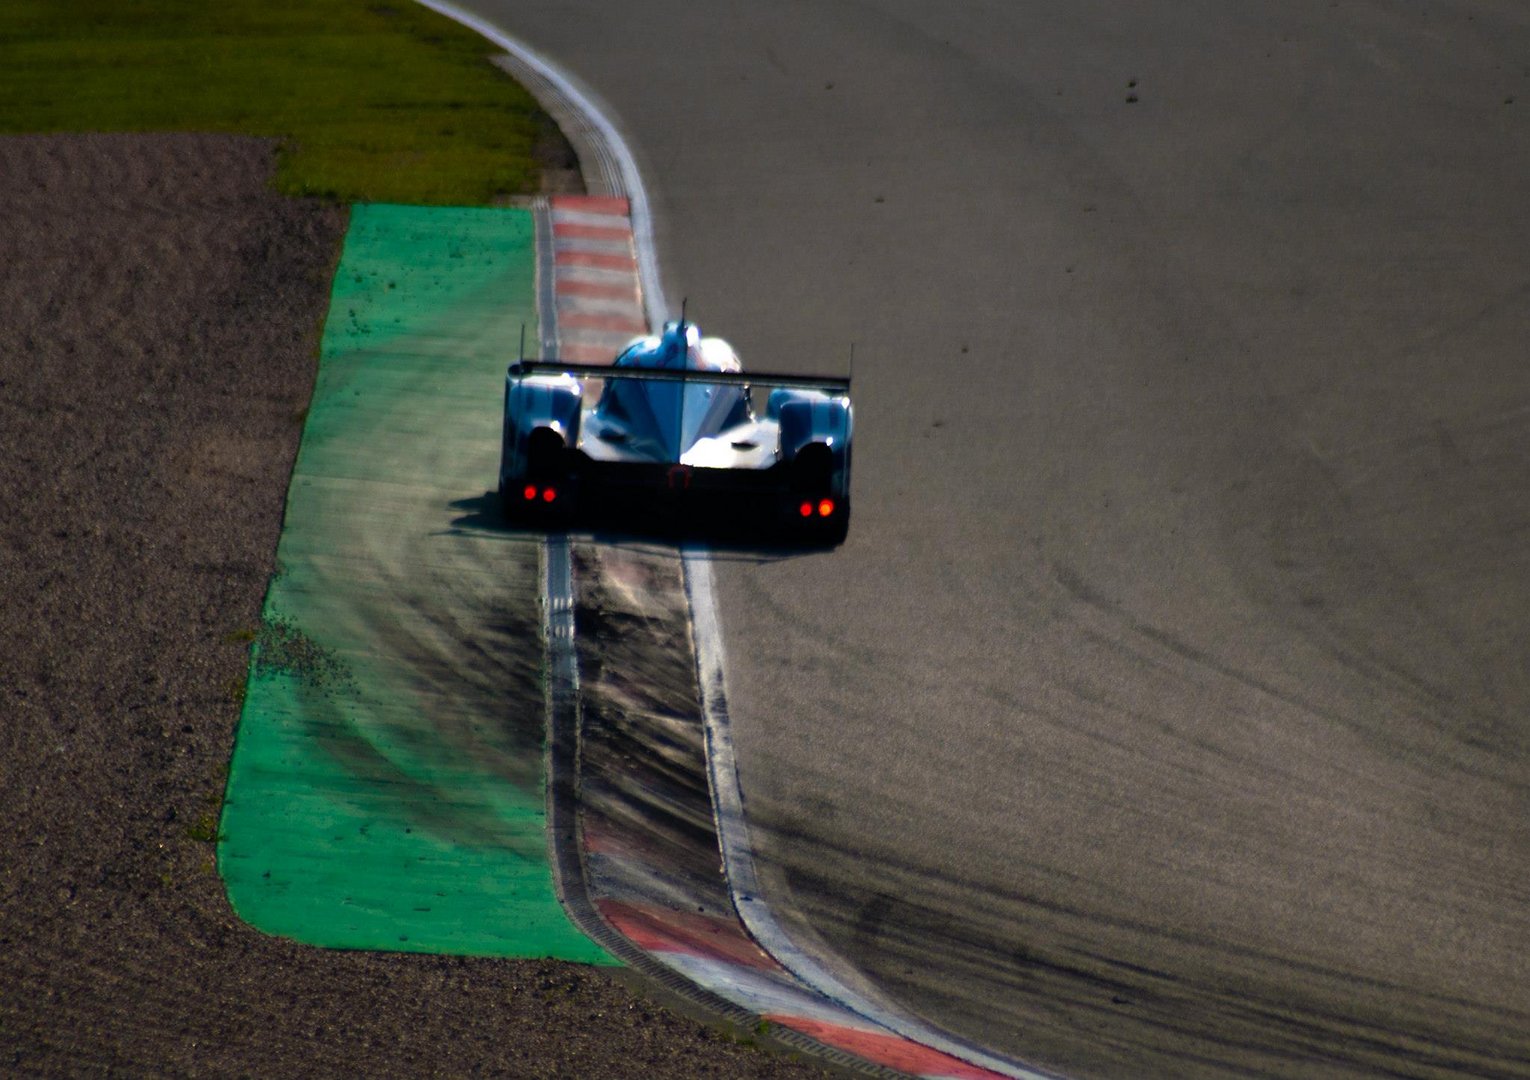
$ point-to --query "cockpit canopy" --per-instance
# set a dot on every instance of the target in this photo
(671, 416)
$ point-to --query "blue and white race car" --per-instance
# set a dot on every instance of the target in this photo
(674, 422)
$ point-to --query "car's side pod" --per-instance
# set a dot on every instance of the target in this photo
(816, 430)
(541, 420)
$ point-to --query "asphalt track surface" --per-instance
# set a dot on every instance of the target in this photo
(1166, 711)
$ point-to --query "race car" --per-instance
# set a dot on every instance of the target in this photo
(674, 423)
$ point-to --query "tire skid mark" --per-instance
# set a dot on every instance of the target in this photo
(631, 797)
(578, 243)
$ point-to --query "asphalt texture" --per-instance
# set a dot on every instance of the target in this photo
(1165, 712)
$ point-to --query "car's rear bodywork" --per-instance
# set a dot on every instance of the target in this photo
(675, 421)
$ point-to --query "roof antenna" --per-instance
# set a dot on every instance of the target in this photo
(522, 360)
(683, 301)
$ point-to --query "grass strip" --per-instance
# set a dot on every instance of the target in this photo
(375, 101)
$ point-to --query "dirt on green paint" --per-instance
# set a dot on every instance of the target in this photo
(386, 789)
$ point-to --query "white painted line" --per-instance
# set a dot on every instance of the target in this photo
(613, 341)
(597, 275)
(594, 305)
(591, 247)
(591, 217)
(765, 992)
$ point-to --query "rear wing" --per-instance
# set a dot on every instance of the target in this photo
(832, 384)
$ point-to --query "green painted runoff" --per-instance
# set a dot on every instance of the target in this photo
(387, 788)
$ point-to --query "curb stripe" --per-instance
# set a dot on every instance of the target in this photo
(573, 304)
(598, 290)
(567, 230)
(585, 354)
(613, 205)
(659, 929)
(569, 300)
(593, 247)
(603, 218)
(890, 1050)
(616, 324)
(603, 260)
(596, 275)
(595, 318)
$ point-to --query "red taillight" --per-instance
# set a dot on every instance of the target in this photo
(549, 494)
(530, 492)
(825, 507)
(806, 509)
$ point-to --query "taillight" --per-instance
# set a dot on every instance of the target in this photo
(825, 507)
(806, 509)
(530, 492)
(549, 494)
